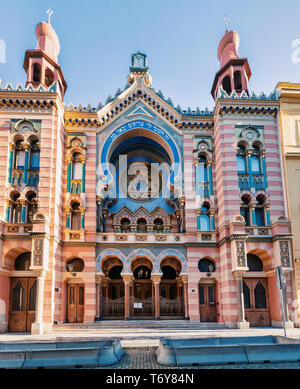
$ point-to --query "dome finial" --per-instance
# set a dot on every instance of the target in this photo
(49, 12)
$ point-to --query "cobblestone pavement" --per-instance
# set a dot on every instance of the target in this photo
(145, 358)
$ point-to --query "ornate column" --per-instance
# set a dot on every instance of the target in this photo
(83, 174)
(38, 325)
(7, 213)
(23, 214)
(267, 212)
(82, 214)
(68, 218)
(249, 168)
(198, 221)
(156, 281)
(209, 166)
(127, 278)
(242, 323)
(69, 162)
(184, 278)
(26, 148)
(212, 219)
(182, 204)
(11, 159)
(252, 214)
(99, 282)
(263, 162)
(196, 164)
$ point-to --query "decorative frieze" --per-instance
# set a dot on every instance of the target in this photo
(37, 255)
(240, 253)
(284, 253)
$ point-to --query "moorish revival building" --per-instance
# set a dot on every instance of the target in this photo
(138, 209)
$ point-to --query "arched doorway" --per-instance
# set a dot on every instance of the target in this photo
(207, 291)
(255, 291)
(22, 302)
(142, 302)
(171, 289)
(112, 296)
(75, 292)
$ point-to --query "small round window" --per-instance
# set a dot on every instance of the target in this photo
(75, 265)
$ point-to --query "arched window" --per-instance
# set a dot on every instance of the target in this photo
(115, 273)
(125, 225)
(206, 265)
(237, 80)
(226, 84)
(158, 226)
(49, 77)
(141, 225)
(244, 209)
(35, 156)
(31, 206)
(260, 211)
(75, 265)
(241, 159)
(36, 77)
(169, 273)
(75, 217)
(204, 218)
(19, 156)
(77, 167)
(254, 263)
(22, 262)
(202, 168)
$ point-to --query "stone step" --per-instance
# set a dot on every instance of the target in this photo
(136, 324)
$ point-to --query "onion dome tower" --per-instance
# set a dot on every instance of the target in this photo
(234, 72)
(41, 64)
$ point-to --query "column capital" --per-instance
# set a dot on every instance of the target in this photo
(156, 278)
(127, 278)
(196, 161)
(238, 274)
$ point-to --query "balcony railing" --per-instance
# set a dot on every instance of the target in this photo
(257, 181)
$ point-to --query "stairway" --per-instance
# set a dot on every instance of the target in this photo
(135, 325)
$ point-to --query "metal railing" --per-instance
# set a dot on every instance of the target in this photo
(172, 307)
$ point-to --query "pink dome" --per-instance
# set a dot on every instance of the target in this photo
(47, 40)
(228, 47)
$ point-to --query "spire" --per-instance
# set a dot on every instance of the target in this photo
(234, 72)
(41, 64)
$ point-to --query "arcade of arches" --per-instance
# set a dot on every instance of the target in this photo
(142, 293)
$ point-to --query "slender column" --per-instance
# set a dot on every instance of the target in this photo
(10, 166)
(182, 203)
(127, 278)
(68, 221)
(249, 169)
(209, 165)
(212, 220)
(39, 310)
(23, 215)
(268, 221)
(196, 164)
(26, 147)
(242, 323)
(99, 279)
(185, 295)
(198, 222)
(82, 213)
(69, 160)
(7, 214)
(83, 177)
(156, 281)
(263, 162)
(252, 211)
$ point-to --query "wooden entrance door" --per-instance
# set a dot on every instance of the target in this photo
(75, 311)
(207, 300)
(256, 301)
(22, 304)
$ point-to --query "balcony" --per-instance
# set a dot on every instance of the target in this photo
(257, 181)
(17, 177)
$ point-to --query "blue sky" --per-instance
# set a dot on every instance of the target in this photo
(180, 38)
